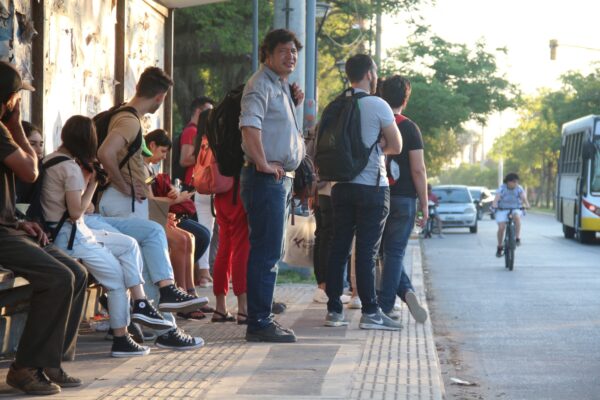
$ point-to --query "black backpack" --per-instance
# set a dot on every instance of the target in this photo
(102, 121)
(341, 154)
(35, 212)
(305, 179)
(224, 134)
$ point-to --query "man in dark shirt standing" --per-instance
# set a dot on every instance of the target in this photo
(58, 283)
(407, 171)
(273, 148)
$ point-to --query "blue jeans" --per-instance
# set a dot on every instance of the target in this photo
(152, 240)
(201, 236)
(397, 231)
(266, 201)
(361, 210)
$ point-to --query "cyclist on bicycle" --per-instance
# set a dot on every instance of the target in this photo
(433, 203)
(510, 195)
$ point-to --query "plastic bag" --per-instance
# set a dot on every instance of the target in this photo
(300, 241)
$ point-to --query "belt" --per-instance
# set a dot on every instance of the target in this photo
(287, 174)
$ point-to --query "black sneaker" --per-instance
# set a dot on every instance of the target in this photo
(144, 313)
(278, 307)
(177, 339)
(124, 346)
(134, 330)
(173, 299)
(273, 333)
(499, 251)
(518, 241)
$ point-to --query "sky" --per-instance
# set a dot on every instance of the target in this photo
(525, 27)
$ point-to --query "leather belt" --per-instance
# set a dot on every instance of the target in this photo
(288, 174)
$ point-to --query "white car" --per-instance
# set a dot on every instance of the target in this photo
(456, 207)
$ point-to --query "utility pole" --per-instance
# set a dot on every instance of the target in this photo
(291, 14)
(254, 35)
(310, 51)
(378, 32)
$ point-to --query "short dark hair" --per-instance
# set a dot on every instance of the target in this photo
(200, 101)
(275, 37)
(511, 177)
(396, 91)
(357, 66)
(29, 128)
(159, 137)
(78, 136)
(152, 82)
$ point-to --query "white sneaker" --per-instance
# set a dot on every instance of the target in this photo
(416, 309)
(355, 303)
(320, 296)
(398, 304)
(345, 299)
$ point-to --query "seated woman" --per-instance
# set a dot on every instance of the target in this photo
(188, 240)
(67, 190)
(36, 140)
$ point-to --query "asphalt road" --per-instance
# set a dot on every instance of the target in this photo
(533, 333)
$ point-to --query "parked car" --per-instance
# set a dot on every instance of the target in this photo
(482, 198)
(456, 207)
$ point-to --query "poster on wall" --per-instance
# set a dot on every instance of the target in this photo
(16, 34)
(79, 62)
(144, 47)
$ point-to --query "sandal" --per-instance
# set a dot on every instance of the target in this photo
(198, 315)
(220, 317)
(243, 321)
(207, 309)
(205, 282)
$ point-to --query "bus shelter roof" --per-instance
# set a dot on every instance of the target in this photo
(186, 3)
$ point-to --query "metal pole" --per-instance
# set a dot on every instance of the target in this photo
(310, 50)
(378, 33)
(254, 35)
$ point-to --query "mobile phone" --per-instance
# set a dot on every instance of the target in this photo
(150, 180)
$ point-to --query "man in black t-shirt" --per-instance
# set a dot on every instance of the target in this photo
(408, 181)
(58, 282)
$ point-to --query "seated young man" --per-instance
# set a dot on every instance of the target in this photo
(58, 283)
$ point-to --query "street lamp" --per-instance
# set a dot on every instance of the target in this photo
(322, 13)
(341, 67)
(554, 45)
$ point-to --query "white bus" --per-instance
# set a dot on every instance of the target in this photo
(578, 180)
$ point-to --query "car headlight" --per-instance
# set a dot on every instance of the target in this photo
(469, 211)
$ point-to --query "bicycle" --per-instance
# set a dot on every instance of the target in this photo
(428, 228)
(510, 239)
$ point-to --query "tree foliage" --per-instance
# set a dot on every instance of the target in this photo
(213, 45)
(451, 84)
(532, 148)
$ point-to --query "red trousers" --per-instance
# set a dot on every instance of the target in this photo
(234, 247)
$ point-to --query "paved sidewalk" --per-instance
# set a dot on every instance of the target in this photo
(325, 363)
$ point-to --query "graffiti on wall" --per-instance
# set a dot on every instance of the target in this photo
(144, 47)
(79, 62)
(16, 34)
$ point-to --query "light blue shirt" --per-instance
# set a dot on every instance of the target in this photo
(375, 114)
(267, 105)
(510, 198)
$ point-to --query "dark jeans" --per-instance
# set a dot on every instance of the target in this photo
(358, 210)
(266, 201)
(323, 235)
(397, 231)
(201, 236)
(58, 289)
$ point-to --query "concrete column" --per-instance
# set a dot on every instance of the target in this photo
(291, 15)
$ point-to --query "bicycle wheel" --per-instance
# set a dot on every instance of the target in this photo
(509, 247)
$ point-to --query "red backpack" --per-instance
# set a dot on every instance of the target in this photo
(207, 178)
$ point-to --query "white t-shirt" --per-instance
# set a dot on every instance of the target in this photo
(60, 179)
(375, 114)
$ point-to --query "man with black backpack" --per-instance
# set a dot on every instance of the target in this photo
(356, 131)
(273, 148)
(58, 282)
(126, 199)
